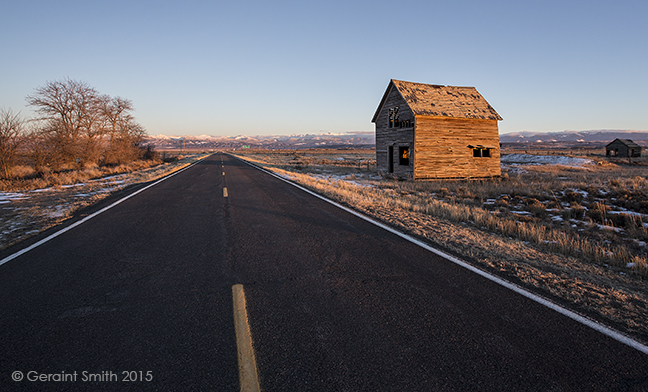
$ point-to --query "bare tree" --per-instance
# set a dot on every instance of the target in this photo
(78, 124)
(70, 110)
(122, 132)
(38, 149)
(12, 127)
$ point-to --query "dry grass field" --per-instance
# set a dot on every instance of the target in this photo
(575, 232)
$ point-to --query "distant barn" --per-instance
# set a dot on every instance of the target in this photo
(426, 131)
(623, 148)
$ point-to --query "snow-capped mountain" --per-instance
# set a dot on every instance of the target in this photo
(360, 139)
(573, 136)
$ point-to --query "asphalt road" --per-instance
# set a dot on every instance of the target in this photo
(334, 303)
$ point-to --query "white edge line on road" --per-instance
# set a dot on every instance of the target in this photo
(543, 301)
(87, 218)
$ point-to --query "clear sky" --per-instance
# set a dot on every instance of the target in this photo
(284, 67)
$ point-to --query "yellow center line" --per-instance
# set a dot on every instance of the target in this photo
(248, 375)
(224, 192)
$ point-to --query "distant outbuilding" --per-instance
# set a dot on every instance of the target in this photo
(426, 131)
(623, 148)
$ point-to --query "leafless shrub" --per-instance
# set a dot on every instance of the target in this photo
(502, 201)
(571, 196)
(12, 128)
(443, 192)
(577, 211)
(148, 153)
(598, 213)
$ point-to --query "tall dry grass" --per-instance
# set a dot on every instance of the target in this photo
(26, 178)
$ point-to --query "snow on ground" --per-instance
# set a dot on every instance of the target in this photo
(528, 159)
(624, 211)
(51, 203)
(612, 228)
(8, 197)
(58, 211)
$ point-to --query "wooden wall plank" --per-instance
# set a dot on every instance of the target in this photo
(441, 148)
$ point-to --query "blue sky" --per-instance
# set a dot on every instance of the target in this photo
(284, 67)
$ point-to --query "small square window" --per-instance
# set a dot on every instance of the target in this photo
(481, 152)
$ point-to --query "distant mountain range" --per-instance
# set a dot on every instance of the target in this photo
(366, 139)
(360, 139)
(603, 136)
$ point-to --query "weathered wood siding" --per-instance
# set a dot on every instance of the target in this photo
(396, 137)
(619, 149)
(441, 148)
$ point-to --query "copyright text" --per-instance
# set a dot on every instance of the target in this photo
(84, 376)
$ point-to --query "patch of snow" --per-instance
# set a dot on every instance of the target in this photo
(628, 213)
(361, 185)
(585, 194)
(7, 197)
(513, 170)
(612, 228)
(107, 178)
(106, 190)
(60, 211)
(528, 159)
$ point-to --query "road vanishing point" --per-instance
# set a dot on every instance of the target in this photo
(223, 277)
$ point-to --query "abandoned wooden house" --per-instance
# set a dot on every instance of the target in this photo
(623, 148)
(425, 131)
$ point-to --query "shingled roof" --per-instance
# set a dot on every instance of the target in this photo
(442, 101)
(627, 142)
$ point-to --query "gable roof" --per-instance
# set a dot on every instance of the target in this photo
(627, 142)
(442, 101)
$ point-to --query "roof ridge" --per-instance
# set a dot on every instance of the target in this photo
(445, 101)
